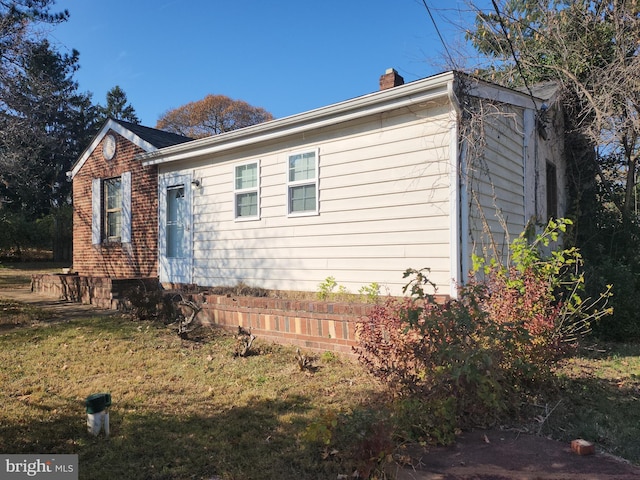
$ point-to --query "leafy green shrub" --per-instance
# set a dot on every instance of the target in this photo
(497, 340)
(325, 288)
(624, 325)
(371, 292)
(432, 421)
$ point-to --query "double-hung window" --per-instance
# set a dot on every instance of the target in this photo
(302, 183)
(247, 191)
(112, 195)
(111, 209)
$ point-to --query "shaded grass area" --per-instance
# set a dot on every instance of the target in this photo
(181, 409)
(15, 314)
(599, 399)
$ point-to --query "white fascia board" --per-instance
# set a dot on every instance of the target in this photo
(490, 91)
(119, 129)
(377, 102)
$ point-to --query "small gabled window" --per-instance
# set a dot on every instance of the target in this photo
(247, 191)
(302, 183)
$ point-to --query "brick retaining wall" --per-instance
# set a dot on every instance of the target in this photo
(103, 292)
(313, 325)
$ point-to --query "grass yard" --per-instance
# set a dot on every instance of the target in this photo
(190, 409)
(600, 399)
(181, 409)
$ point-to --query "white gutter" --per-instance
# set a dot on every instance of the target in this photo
(377, 102)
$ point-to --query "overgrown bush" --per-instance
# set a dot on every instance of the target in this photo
(150, 303)
(471, 359)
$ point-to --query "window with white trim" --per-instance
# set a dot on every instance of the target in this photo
(111, 209)
(247, 191)
(302, 183)
(112, 194)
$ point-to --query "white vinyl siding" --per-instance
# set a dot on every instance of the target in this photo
(497, 180)
(247, 191)
(384, 188)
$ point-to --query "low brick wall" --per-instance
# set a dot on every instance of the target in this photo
(103, 292)
(312, 325)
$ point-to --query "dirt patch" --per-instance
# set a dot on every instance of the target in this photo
(502, 455)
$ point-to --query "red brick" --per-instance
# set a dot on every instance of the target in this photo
(582, 447)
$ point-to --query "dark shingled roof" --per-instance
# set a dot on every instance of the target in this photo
(157, 138)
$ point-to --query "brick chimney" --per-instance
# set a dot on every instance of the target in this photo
(390, 79)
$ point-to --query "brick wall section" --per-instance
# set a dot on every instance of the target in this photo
(103, 292)
(316, 326)
(116, 261)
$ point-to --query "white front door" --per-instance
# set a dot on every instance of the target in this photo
(175, 233)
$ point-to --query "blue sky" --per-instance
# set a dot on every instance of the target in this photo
(287, 56)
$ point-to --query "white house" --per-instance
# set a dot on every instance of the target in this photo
(414, 175)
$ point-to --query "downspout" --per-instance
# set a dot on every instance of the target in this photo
(458, 251)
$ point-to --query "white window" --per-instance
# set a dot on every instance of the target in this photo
(302, 183)
(247, 191)
(111, 209)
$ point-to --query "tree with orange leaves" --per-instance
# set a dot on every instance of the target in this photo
(212, 115)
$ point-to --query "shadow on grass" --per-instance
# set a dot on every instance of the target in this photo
(43, 266)
(244, 442)
(254, 437)
(601, 403)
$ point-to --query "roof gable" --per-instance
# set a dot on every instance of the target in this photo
(148, 139)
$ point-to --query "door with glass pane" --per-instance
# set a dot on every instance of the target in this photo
(175, 240)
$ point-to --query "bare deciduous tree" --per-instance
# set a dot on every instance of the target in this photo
(591, 48)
